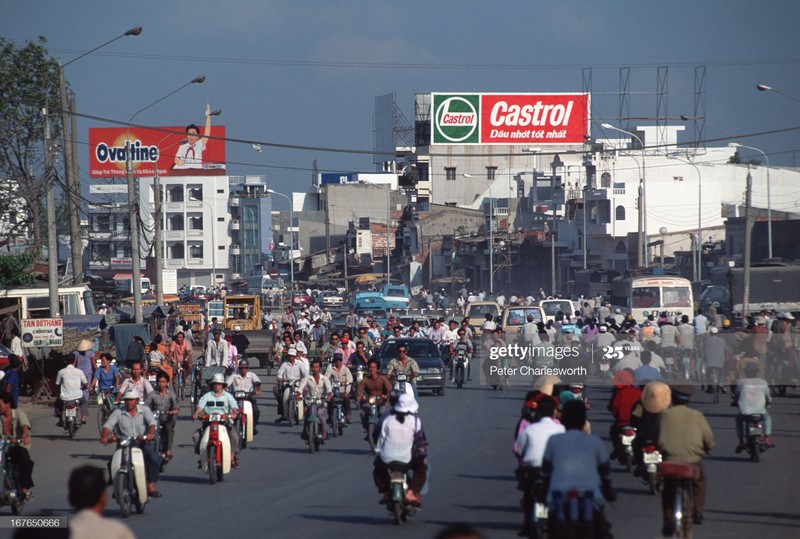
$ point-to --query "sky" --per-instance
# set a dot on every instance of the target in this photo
(306, 73)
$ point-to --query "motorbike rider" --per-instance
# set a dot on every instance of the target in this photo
(289, 371)
(461, 345)
(340, 376)
(625, 396)
(15, 424)
(684, 435)
(218, 401)
(329, 348)
(240, 341)
(359, 357)
(318, 332)
(437, 333)
(752, 397)
(72, 382)
(217, 350)
(136, 421)
(373, 385)
(363, 337)
(317, 386)
(298, 343)
(576, 460)
(246, 380)
(179, 355)
(106, 378)
(403, 363)
(164, 400)
(716, 352)
(137, 382)
(397, 437)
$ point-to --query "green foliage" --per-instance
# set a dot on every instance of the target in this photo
(15, 270)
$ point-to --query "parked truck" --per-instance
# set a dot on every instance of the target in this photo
(773, 285)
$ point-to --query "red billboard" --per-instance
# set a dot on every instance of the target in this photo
(472, 118)
(168, 148)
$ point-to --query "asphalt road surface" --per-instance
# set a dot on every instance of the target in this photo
(282, 491)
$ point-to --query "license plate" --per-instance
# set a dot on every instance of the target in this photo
(652, 458)
(151, 378)
(541, 511)
(604, 366)
(669, 361)
(752, 431)
(628, 439)
(71, 412)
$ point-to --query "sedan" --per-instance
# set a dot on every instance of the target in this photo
(431, 367)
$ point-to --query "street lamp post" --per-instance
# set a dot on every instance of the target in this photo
(765, 88)
(70, 177)
(291, 233)
(642, 255)
(133, 201)
(491, 232)
(769, 197)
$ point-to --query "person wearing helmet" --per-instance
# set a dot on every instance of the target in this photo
(240, 341)
(401, 441)
(752, 397)
(218, 401)
(248, 381)
(137, 421)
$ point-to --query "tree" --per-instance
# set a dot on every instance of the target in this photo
(15, 270)
(28, 84)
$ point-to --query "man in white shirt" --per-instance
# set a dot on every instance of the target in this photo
(190, 154)
(246, 380)
(289, 371)
(217, 350)
(72, 382)
(136, 382)
(317, 386)
(341, 377)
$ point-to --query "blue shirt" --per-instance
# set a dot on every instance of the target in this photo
(646, 372)
(12, 378)
(574, 458)
(105, 380)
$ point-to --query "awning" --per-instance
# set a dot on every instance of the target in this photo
(10, 309)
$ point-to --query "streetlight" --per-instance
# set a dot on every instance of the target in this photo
(765, 88)
(291, 233)
(70, 166)
(769, 199)
(133, 201)
(643, 255)
(491, 232)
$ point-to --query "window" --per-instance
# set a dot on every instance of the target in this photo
(450, 173)
(605, 179)
(196, 249)
(221, 191)
(491, 173)
(195, 221)
(102, 223)
(176, 250)
(195, 193)
(451, 204)
(176, 223)
(175, 193)
(620, 213)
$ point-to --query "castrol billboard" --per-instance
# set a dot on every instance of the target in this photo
(509, 118)
(156, 147)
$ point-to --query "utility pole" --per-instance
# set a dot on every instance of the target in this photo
(345, 250)
(52, 239)
(136, 260)
(72, 184)
(159, 239)
(388, 232)
(747, 237)
(327, 228)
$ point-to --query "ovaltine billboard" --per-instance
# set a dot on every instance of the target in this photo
(173, 153)
(509, 118)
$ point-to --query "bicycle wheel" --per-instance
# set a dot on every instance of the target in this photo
(684, 528)
(102, 417)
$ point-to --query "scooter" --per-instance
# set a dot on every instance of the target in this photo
(402, 384)
(71, 417)
(216, 445)
(337, 412)
(397, 504)
(626, 437)
(161, 441)
(754, 427)
(312, 426)
(461, 362)
(128, 471)
(372, 421)
(10, 491)
(605, 370)
(292, 412)
(245, 420)
(152, 374)
(651, 461)
(358, 374)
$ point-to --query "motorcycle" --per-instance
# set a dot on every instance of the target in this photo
(373, 418)
(754, 427)
(161, 438)
(337, 412)
(651, 460)
(461, 362)
(216, 445)
(152, 373)
(312, 425)
(292, 412)
(397, 504)
(71, 417)
(128, 472)
(402, 384)
(681, 474)
(358, 375)
(626, 437)
(604, 370)
(10, 491)
(572, 514)
(107, 405)
(245, 420)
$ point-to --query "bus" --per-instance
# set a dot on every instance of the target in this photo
(593, 283)
(259, 285)
(644, 295)
(35, 302)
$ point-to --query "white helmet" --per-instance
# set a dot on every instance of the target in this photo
(237, 328)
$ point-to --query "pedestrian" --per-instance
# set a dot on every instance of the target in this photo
(87, 494)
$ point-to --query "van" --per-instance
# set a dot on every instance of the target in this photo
(515, 317)
(552, 306)
(124, 286)
(477, 311)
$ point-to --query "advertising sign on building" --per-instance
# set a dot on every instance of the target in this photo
(471, 118)
(124, 263)
(159, 146)
(336, 178)
(42, 332)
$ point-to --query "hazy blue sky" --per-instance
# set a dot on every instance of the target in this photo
(306, 72)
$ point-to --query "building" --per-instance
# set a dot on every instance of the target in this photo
(250, 226)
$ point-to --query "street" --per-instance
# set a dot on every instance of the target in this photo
(282, 491)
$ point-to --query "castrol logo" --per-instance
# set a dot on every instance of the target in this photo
(456, 119)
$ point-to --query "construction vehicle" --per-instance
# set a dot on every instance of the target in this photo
(243, 311)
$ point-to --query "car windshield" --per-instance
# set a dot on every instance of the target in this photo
(417, 348)
(479, 312)
(518, 317)
(552, 307)
(646, 297)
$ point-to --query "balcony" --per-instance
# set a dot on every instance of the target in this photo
(173, 263)
(235, 250)
(174, 234)
(235, 224)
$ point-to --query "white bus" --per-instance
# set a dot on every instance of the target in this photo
(260, 284)
(644, 295)
(35, 302)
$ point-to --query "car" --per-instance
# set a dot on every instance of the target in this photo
(301, 298)
(553, 306)
(477, 311)
(432, 375)
(329, 298)
(514, 318)
(407, 321)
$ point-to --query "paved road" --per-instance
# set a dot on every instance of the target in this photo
(282, 491)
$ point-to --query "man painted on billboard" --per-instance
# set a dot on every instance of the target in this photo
(190, 153)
